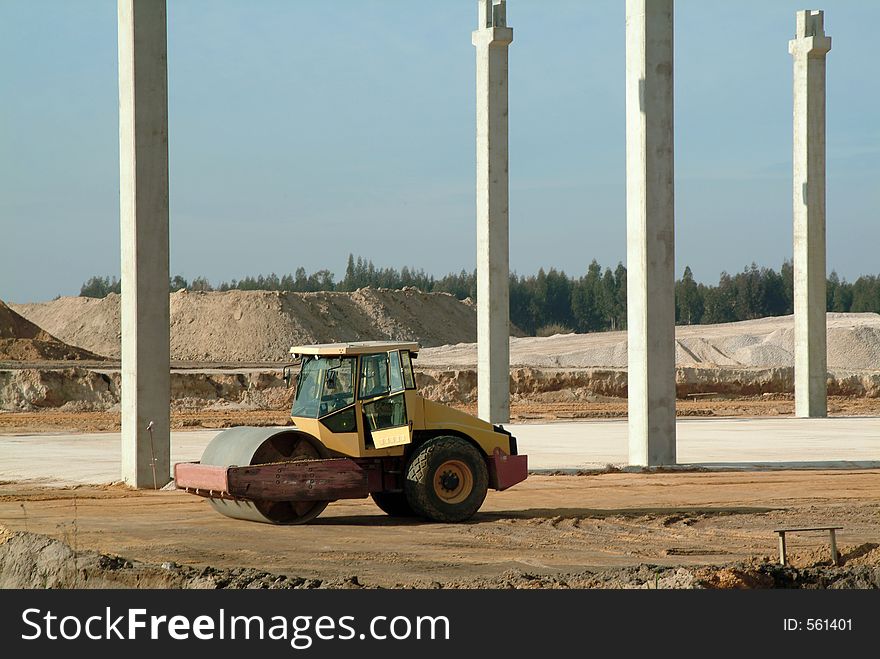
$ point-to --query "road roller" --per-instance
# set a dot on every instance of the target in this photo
(359, 428)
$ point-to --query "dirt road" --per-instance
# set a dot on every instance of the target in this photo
(548, 525)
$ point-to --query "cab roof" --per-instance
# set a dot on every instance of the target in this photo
(355, 348)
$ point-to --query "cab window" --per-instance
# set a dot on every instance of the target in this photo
(395, 375)
(374, 375)
(386, 413)
(325, 384)
(406, 364)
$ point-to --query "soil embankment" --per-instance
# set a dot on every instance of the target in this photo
(22, 340)
(75, 389)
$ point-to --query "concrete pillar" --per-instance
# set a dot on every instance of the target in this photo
(650, 232)
(809, 48)
(143, 209)
(491, 38)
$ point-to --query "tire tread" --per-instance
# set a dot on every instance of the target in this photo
(419, 480)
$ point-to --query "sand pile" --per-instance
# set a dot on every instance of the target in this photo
(853, 344)
(89, 323)
(22, 340)
(260, 326)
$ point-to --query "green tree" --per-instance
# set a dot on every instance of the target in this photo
(348, 281)
(773, 293)
(620, 298)
(840, 294)
(787, 272)
(866, 294)
(584, 301)
(201, 284)
(605, 301)
(178, 283)
(100, 287)
(720, 300)
(747, 294)
(688, 299)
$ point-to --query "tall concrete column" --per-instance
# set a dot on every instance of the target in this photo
(809, 49)
(650, 232)
(143, 207)
(492, 38)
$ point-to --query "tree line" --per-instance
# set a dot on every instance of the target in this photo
(551, 301)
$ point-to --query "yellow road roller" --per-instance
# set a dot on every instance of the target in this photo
(359, 428)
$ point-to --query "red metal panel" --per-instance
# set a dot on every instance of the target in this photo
(196, 476)
(383, 474)
(507, 470)
(303, 480)
(373, 470)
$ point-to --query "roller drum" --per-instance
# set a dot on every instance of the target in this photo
(243, 446)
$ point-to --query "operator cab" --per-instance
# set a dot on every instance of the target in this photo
(341, 384)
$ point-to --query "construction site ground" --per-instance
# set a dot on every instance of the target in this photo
(582, 519)
(549, 531)
(605, 526)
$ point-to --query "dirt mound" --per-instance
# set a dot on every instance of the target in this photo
(89, 323)
(260, 326)
(31, 560)
(733, 576)
(253, 326)
(22, 340)
(853, 345)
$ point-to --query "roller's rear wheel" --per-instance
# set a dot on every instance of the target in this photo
(253, 446)
(446, 479)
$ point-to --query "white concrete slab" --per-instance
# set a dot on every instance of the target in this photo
(712, 443)
(777, 443)
(84, 458)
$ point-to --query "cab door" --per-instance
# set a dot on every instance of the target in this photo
(381, 390)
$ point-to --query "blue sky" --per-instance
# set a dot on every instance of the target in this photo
(303, 130)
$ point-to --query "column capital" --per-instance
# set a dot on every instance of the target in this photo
(492, 36)
(810, 38)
